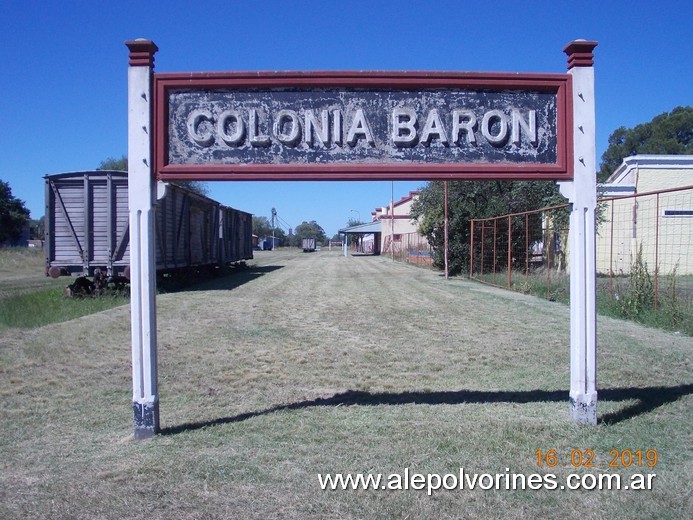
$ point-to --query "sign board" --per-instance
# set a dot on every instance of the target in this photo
(364, 126)
(361, 126)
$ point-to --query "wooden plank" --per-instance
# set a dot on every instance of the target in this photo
(65, 214)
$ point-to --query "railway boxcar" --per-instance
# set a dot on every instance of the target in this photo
(87, 226)
(237, 226)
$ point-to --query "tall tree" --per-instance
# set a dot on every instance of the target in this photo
(199, 187)
(261, 226)
(13, 214)
(309, 230)
(468, 200)
(37, 228)
(668, 133)
(111, 163)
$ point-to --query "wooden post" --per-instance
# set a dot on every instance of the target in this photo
(141, 197)
(582, 194)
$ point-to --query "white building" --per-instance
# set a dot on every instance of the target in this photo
(646, 208)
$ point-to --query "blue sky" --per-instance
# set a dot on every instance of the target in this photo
(63, 102)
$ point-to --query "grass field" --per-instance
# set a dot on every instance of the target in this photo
(307, 364)
(675, 301)
(30, 299)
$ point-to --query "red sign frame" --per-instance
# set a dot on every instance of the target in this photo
(560, 84)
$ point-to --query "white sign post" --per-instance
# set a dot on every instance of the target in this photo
(582, 194)
(141, 197)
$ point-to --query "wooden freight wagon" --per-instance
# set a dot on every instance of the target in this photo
(87, 226)
(236, 226)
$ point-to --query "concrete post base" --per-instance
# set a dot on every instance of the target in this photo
(583, 409)
(146, 416)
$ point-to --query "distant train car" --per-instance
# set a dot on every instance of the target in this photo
(87, 227)
(308, 245)
(237, 228)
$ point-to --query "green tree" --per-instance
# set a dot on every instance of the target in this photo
(308, 230)
(669, 133)
(261, 226)
(37, 228)
(199, 187)
(111, 163)
(13, 214)
(468, 200)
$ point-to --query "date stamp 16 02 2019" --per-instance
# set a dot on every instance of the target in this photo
(586, 458)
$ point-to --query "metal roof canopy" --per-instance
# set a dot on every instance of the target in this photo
(363, 229)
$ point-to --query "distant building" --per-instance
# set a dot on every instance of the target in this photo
(661, 224)
(396, 221)
(387, 228)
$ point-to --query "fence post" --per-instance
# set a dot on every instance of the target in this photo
(611, 253)
(656, 267)
(483, 229)
(582, 193)
(141, 196)
(526, 247)
(510, 242)
(471, 249)
(495, 243)
(550, 234)
(447, 243)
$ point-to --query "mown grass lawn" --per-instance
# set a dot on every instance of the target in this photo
(308, 364)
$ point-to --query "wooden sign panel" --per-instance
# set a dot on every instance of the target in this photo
(362, 126)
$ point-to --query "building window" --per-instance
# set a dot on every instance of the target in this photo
(678, 213)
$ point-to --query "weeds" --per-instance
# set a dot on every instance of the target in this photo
(671, 306)
(639, 297)
(640, 301)
(633, 297)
